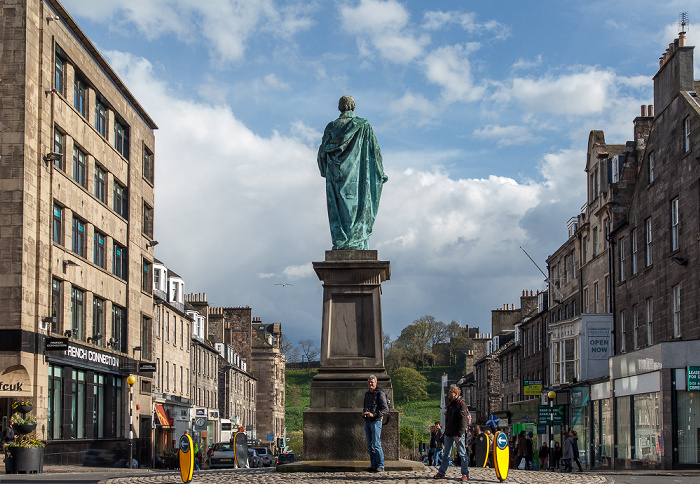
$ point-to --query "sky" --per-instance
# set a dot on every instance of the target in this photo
(482, 111)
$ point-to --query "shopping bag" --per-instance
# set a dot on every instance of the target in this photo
(521, 466)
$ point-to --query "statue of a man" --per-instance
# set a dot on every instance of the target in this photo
(350, 160)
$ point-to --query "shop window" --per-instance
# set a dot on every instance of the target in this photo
(688, 411)
(55, 403)
(117, 418)
(98, 405)
(647, 427)
(78, 405)
(623, 430)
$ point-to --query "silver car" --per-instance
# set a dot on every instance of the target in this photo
(253, 460)
(222, 455)
(264, 456)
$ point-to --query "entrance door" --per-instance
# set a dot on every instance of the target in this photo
(145, 441)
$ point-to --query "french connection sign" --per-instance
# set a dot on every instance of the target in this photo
(91, 355)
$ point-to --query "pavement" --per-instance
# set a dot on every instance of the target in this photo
(271, 476)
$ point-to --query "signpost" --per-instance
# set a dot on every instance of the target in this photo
(551, 414)
(501, 455)
(532, 387)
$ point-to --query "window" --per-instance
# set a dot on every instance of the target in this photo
(167, 376)
(147, 220)
(622, 332)
(608, 297)
(677, 311)
(79, 237)
(573, 264)
(59, 74)
(80, 95)
(633, 237)
(652, 158)
(674, 224)
(647, 243)
(585, 301)
(147, 281)
(58, 224)
(119, 268)
(78, 405)
(121, 200)
(623, 261)
(650, 321)
(118, 339)
(635, 327)
(101, 117)
(595, 241)
(58, 146)
(148, 165)
(686, 135)
(596, 298)
(98, 405)
(156, 279)
(100, 184)
(121, 138)
(55, 403)
(117, 424)
(98, 250)
(146, 332)
(76, 313)
(98, 321)
(56, 306)
(79, 166)
(584, 250)
(615, 165)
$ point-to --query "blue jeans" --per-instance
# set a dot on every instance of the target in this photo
(461, 452)
(373, 433)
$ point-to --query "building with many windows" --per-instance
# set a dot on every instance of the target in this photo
(76, 222)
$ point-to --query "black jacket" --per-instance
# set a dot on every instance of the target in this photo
(375, 402)
(456, 418)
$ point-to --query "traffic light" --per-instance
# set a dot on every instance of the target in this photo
(280, 442)
(421, 447)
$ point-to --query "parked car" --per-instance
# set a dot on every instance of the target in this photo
(254, 460)
(264, 456)
(222, 455)
(286, 458)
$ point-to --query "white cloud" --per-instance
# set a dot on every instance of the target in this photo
(581, 93)
(270, 82)
(527, 64)
(226, 25)
(449, 67)
(381, 25)
(439, 20)
(505, 135)
(412, 102)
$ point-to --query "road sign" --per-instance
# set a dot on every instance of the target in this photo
(269, 437)
(543, 414)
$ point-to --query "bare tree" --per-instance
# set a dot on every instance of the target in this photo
(310, 351)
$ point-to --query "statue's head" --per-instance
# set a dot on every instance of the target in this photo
(346, 103)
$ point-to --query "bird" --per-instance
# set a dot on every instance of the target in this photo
(283, 284)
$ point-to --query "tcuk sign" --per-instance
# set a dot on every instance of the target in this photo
(598, 344)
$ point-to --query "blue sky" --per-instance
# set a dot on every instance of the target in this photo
(482, 111)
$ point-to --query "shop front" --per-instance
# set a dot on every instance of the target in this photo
(687, 411)
(601, 441)
(15, 386)
(87, 407)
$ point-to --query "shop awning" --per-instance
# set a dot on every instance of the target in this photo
(161, 417)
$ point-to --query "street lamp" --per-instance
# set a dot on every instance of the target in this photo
(551, 395)
(131, 379)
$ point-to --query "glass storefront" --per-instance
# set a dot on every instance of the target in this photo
(623, 430)
(580, 421)
(688, 411)
(647, 427)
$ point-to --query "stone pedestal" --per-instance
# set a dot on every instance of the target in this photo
(351, 350)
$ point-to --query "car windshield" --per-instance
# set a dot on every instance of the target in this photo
(222, 447)
(261, 451)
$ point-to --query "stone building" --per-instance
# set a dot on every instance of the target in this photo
(269, 368)
(487, 392)
(76, 226)
(172, 342)
(654, 395)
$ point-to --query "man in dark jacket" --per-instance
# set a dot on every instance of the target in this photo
(375, 407)
(457, 419)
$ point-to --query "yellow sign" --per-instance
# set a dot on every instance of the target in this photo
(501, 455)
(532, 387)
(186, 458)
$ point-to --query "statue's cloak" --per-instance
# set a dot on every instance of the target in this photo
(351, 161)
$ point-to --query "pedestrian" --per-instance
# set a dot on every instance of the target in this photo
(531, 462)
(567, 451)
(522, 450)
(544, 456)
(195, 444)
(439, 444)
(556, 463)
(471, 444)
(374, 409)
(457, 419)
(574, 435)
(431, 446)
(8, 435)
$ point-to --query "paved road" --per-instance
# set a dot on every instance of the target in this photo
(269, 476)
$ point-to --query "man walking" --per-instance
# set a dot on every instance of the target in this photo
(457, 419)
(375, 407)
(567, 451)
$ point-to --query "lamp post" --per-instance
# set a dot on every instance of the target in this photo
(551, 395)
(131, 379)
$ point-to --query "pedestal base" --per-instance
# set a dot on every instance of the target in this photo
(339, 434)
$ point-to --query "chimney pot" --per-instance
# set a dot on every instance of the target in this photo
(650, 110)
(681, 39)
(644, 111)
